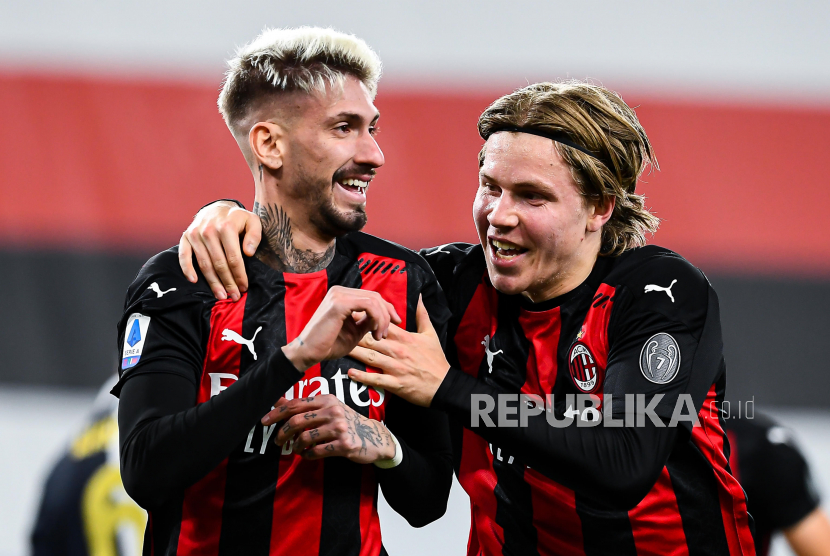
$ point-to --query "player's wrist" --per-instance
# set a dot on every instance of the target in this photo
(296, 353)
(390, 455)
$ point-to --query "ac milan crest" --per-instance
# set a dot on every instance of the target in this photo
(585, 372)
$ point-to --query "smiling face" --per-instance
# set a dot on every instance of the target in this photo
(330, 158)
(540, 237)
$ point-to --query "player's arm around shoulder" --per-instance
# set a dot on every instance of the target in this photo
(213, 241)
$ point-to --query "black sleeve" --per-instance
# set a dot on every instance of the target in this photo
(167, 441)
(662, 345)
(614, 466)
(419, 488)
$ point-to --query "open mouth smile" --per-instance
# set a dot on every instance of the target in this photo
(504, 250)
(355, 187)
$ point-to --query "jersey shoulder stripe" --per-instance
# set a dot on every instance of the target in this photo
(358, 243)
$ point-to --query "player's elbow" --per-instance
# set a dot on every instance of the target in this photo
(421, 502)
(142, 483)
(433, 511)
(142, 488)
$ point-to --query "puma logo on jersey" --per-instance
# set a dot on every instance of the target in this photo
(656, 288)
(228, 334)
(159, 294)
(490, 354)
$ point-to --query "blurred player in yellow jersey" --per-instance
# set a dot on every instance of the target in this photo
(84, 510)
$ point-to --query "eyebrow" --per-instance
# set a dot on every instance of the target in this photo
(521, 184)
(353, 117)
(538, 186)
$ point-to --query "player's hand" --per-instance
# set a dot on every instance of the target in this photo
(323, 427)
(213, 237)
(338, 324)
(413, 364)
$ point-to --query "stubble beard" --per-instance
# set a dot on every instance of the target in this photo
(325, 215)
(333, 222)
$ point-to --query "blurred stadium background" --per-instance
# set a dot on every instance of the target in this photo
(110, 141)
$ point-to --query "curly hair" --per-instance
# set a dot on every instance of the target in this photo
(598, 120)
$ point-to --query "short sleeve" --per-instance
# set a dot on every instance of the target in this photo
(664, 337)
(165, 323)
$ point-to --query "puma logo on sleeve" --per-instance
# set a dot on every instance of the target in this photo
(656, 288)
(159, 294)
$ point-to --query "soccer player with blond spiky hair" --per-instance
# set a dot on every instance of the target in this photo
(197, 374)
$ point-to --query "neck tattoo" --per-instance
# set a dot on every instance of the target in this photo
(278, 251)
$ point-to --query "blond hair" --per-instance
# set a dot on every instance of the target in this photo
(598, 120)
(307, 59)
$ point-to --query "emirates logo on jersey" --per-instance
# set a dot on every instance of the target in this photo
(585, 373)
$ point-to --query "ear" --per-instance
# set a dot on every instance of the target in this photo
(266, 140)
(600, 214)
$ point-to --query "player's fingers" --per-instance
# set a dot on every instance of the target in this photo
(375, 315)
(253, 234)
(379, 312)
(385, 347)
(396, 333)
(235, 272)
(375, 380)
(299, 423)
(212, 238)
(327, 450)
(289, 408)
(308, 438)
(422, 319)
(206, 266)
(396, 318)
(186, 260)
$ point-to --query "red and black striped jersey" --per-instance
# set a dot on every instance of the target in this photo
(643, 329)
(232, 490)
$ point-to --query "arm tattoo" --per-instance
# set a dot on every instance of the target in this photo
(278, 249)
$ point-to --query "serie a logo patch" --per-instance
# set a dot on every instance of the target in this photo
(135, 334)
(585, 372)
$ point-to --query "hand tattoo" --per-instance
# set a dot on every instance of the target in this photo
(364, 429)
(278, 250)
